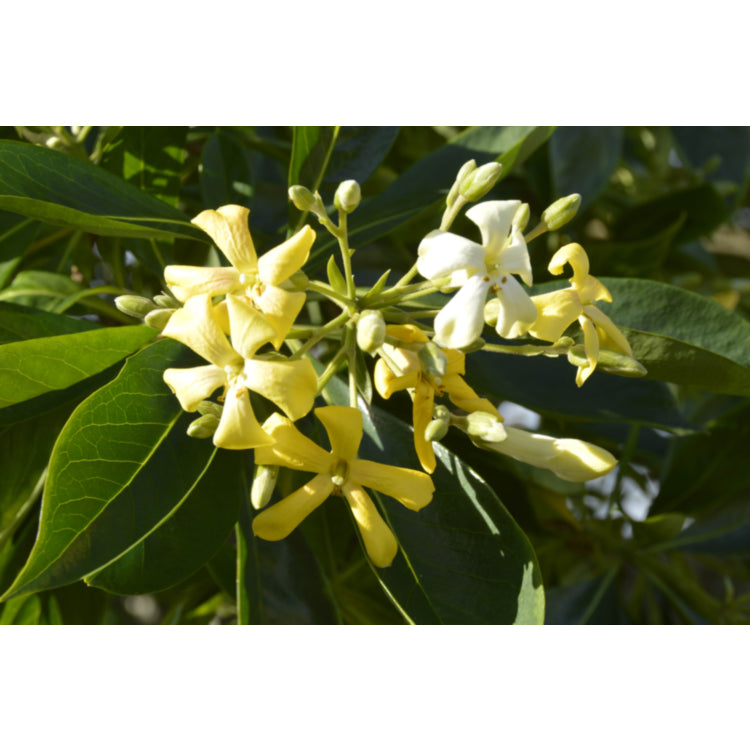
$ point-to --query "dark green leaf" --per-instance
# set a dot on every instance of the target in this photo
(16, 234)
(311, 151)
(226, 173)
(36, 366)
(592, 602)
(18, 323)
(582, 159)
(358, 153)
(121, 467)
(60, 189)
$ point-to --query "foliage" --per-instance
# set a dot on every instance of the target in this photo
(120, 504)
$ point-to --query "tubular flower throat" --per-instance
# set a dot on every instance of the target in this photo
(256, 280)
(291, 385)
(479, 269)
(338, 471)
(559, 309)
(424, 387)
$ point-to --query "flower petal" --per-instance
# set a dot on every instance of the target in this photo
(280, 519)
(227, 227)
(516, 311)
(461, 321)
(379, 541)
(188, 281)
(407, 332)
(290, 384)
(494, 219)
(386, 383)
(291, 448)
(575, 255)
(238, 428)
(250, 328)
(413, 489)
(591, 347)
(279, 264)
(424, 400)
(446, 254)
(280, 307)
(464, 397)
(514, 258)
(556, 311)
(344, 427)
(196, 325)
(610, 336)
(192, 385)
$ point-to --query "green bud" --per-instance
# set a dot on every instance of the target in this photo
(348, 195)
(264, 483)
(432, 360)
(437, 429)
(370, 331)
(203, 427)
(158, 318)
(136, 307)
(302, 198)
(561, 211)
(480, 181)
(609, 361)
(521, 219)
(485, 426)
(209, 407)
(474, 346)
(298, 280)
(463, 173)
(166, 301)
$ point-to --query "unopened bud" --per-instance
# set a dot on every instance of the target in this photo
(615, 363)
(209, 407)
(437, 429)
(167, 302)
(463, 173)
(347, 196)
(561, 211)
(485, 426)
(432, 360)
(304, 199)
(370, 330)
(158, 318)
(264, 483)
(521, 218)
(480, 181)
(136, 307)
(203, 427)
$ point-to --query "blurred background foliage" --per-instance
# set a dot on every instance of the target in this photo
(665, 539)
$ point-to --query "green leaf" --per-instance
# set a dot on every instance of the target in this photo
(36, 366)
(150, 159)
(122, 466)
(682, 337)
(357, 153)
(311, 151)
(18, 322)
(462, 558)
(582, 159)
(592, 602)
(16, 234)
(226, 173)
(427, 182)
(60, 189)
(187, 539)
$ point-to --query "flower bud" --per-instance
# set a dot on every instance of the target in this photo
(298, 280)
(521, 218)
(561, 211)
(432, 360)
(304, 199)
(480, 181)
(370, 331)
(485, 426)
(264, 483)
(610, 361)
(158, 318)
(347, 196)
(203, 427)
(136, 307)
(463, 173)
(437, 429)
(166, 301)
(209, 407)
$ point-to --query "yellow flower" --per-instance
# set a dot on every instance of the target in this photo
(425, 386)
(558, 309)
(291, 385)
(339, 472)
(257, 280)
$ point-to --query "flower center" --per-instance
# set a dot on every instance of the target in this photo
(339, 472)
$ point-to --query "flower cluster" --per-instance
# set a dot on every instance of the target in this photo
(242, 319)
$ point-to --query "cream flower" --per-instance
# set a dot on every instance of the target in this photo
(257, 280)
(479, 269)
(341, 472)
(424, 386)
(559, 309)
(291, 385)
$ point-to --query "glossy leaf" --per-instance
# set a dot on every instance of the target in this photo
(187, 538)
(226, 173)
(18, 322)
(37, 366)
(121, 468)
(582, 159)
(60, 189)
(311, 151)
(357, 153)
(462, 558)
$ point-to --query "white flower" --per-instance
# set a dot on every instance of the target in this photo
(479, 269)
